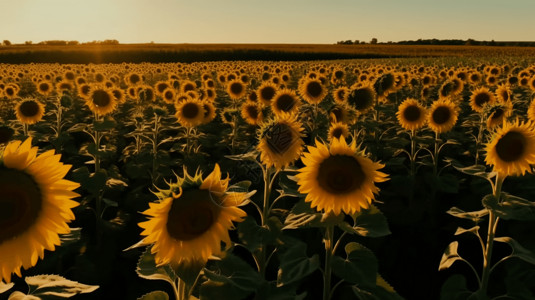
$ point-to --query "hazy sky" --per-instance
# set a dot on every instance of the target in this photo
(265, 21)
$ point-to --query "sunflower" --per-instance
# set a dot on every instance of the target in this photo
(133, 78)
(64, 85)
(101, 101)
(285, 101)
(187, 85)
(503, 93)
(209, 111)
(252, 96)
(36, 205)
(362, 98)
(480, 97)
(252, 113)
(119, 95)
(44, 88)
(531, 111)
(84, 90)
(190, 112)
(411, 114)
(192, 218)
(498, 113)
(236, 89)
(442, 115)
(339, 178)
(312, 91)
(266, 92)
(512, 149)
(29, 111)
(341, 94)
(280, 141)
(160, 86)
(11, 90)
(338, 130)
(169, 95)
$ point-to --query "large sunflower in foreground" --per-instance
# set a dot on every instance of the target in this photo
(280, 141)
(442, 115)
(192, 218)
(512, 149)
(35, 205)
(411, 114)
(339, 178)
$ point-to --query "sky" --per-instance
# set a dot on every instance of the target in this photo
(265, 21)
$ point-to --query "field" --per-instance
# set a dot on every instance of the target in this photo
(407, 176)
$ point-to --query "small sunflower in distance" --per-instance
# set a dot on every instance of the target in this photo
(192, 218)
(480, 97)
(236, 89)
(411, 114)
(338, 130)
(312, 91)
(190, 113)
(29, 111)
(512, 149)
(442, 115)
(35, 205)
(252, 113)
(498, 113)
(280, 141)
(339, 178)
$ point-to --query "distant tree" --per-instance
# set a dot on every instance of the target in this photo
(373, 41)
(73, 43)
(28, 43)
(6, 43)
(356, 42)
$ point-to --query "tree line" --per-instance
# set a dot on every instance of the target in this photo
(468, 42)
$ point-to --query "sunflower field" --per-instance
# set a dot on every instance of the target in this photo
(343, 179)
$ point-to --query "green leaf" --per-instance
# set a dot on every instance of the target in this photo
(107, 124)
(77, 127)
(455, 288)
(359, 267)
(250, 156)
(450, 256)
(518, 251)
(448, 183)
(234, 279)
(156, 295)
(475, 170)
(5, 286)
(368, 222)
(302, 215)
(254, 236)
(471, 215)
(147, 269)
(55, 286)
(71, 237)
(511, 207)
(295, 263)
(474, 230)
(189, 272)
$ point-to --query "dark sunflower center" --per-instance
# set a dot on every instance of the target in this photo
(161, 87)
(280, 138)
(314, 89)
(497, 114)
(44, 87)
(207, 110)
(340, 174)
(338, 74)
(189, 87)
(285, 102)
(192, 214)
(481, 98)
(85, 89)
(20, 203)
(10, 91)
(134, 78)
(29, 108)
(190, 110)
(253, 97)
(267, 93)
(236, 88)
(101, 98)
(505, 95)
(252, 111)
(168, 95)
(340, 94)
(511, 146)
(441, 115)
(412, 113)
(361, 99)
(337, 132)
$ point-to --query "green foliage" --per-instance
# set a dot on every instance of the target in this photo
(358, 268)
(55, 287)
(295, 264)
(156, 295)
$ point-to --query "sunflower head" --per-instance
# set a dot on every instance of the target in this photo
(44, 88)
(285, 101)
(338, 178)
(511, 150)
(497, 113)
(312, 90)
(362, 98)
(481, 97)
(35, 205)
(442, 115)
(266, 92)
(411, 114)
(29, 111)
(251, 112)
(101, 101)
(236, 89)
(190, 112)
(192, 218)
(280, 141)
(209, 111)
(338, 130)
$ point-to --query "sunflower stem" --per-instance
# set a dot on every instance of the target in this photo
(493, 224)
(479, 136)
(25, 129)
(435, 155)
(328, 240)
(155, 134)
(413, 154)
